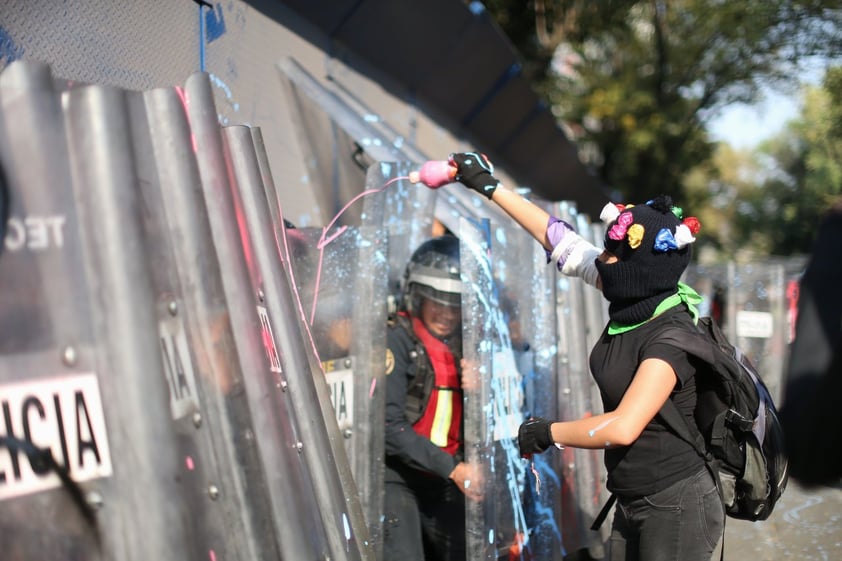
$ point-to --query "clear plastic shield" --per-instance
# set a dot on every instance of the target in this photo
(512, 339)
(303, 525)
(321, 442)
(211, 401)
(479, 418)
(342, 287)
(749, 301)
(526, 289)
(94, 428)
(583, 472)
(400, 214)
(47, 348)
(493, 406)
(403, 210)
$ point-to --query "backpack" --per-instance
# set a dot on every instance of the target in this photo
(737, 430)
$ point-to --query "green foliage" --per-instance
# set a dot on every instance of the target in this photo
(636, 81)
(782, 211)
(770, 201)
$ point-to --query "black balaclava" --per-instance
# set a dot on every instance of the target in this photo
(650, 263)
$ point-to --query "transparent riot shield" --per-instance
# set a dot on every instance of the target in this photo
(525, 285)
(237, 432)
(342, 287)
(260, 349)
(253, 283)
(750, 303)
(321, 442)
(403, 210)
(523, 512)
(583, 472)
(88, 455)
(493, 406)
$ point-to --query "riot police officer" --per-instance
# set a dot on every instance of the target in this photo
(426, 479)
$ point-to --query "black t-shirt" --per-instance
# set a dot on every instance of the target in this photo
(658, 458)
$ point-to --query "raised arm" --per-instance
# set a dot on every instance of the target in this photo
(530, 216)
(574, 255)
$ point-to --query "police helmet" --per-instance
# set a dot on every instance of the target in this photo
(433, 273)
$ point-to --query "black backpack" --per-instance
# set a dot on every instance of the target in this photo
(737, 430)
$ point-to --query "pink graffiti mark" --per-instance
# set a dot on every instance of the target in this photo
(371, 389)
(185, 102)
(326, 240)
(323, 241)
(537, 478)
(188, 461)
(211, 555)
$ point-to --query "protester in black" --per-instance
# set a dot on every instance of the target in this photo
(810, 413)
(668, 507)
(426, 481)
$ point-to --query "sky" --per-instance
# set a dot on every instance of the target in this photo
(745, 126)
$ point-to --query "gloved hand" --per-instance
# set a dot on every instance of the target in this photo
(474, 170)
(534, 436)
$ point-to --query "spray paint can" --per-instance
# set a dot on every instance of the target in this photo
(434, 174)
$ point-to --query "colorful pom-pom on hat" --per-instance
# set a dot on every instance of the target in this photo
(651, 243)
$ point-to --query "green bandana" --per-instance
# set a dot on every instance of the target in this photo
(684, 295)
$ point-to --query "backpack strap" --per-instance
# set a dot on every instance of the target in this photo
(669, 412)
(603, 513)
(703, 348)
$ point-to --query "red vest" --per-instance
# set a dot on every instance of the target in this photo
(441, 422)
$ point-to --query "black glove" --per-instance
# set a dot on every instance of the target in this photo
(534, 436)
(474, 170)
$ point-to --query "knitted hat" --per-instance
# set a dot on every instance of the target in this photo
(651, 243)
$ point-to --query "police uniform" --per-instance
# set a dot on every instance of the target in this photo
(424, 510)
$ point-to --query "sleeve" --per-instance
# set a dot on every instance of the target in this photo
(402, 442)
(575, 256)
(675, 357)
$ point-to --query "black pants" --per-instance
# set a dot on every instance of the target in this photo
(424, 519)
(681, 523)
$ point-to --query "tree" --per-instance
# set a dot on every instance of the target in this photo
(781, 213)
(635, 81)
(769, 201)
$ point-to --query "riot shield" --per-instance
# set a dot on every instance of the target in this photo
(88, 456)
(321, 442)
(317, 112)
(235, 439)
(342, 286)
(285, 438)
(527, 513)
(516, 329)
(403, 210)
(583, 472)
(526, 292)
(493, 406)
(749, 301)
